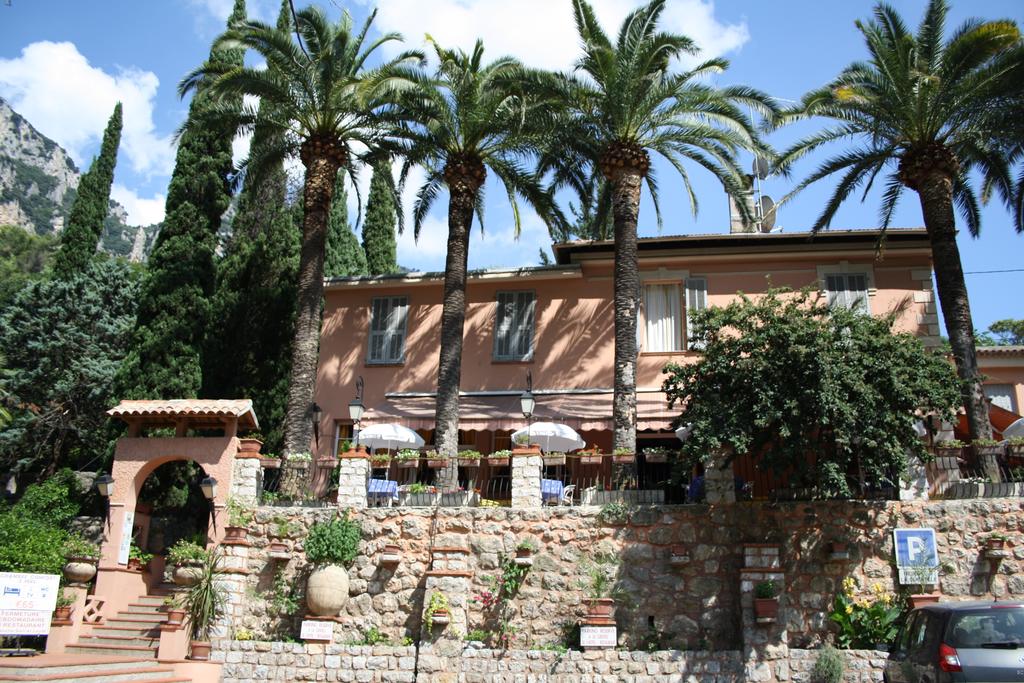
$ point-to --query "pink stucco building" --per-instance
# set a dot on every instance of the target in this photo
(556, 323)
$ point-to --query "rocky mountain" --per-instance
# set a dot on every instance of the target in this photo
(38, 184)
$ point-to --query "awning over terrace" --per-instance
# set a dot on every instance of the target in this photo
(581, 411)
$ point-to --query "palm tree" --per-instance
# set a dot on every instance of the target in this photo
(622, 102)
(322, 97)
(472, 117)
(926, 111)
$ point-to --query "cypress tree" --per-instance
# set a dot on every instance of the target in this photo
(379, 225)
(248, 354)
(174, 307)
(344, 256)
(85, 222)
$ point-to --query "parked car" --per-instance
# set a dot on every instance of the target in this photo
(959, 641)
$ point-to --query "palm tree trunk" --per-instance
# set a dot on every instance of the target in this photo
(298, 427)
(626, 209)
(936, 194)
(453, 320)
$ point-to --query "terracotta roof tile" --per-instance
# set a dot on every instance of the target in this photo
(188, 407)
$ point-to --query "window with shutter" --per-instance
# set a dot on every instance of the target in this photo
(848, 290)
(513, 326)
(696, 300)
(388, 316)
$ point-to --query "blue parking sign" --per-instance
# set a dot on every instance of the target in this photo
(917, 556)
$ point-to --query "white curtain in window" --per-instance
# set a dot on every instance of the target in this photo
(662, 313)
(1001, 395)
(513, 330)
(849, 290)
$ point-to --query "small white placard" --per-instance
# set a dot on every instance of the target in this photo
(126, 537)
(26, 603)
(317, 630)
(598, 636)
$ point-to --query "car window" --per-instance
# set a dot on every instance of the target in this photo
(976, 628)
(914, 633)
(932, 635)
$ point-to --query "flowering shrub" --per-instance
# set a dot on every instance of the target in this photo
(867, 620)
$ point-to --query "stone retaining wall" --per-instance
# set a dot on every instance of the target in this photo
(692, 605)
(249, 661)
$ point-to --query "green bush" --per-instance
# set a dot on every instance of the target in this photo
(28, 546)
(829, 666)
(334, 542)
(76, 546)
(52, 502)
(186, 551)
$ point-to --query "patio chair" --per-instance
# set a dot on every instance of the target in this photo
(567, 494)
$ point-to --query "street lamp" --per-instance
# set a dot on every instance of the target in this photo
(356, 409)
(105, 485)
(526, 401)
(209, 486)
(316, 413)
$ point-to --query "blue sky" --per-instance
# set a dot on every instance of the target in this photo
(63, 64)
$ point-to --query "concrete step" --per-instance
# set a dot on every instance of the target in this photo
(64, 664)
(151, 600)
(145, 607)
(132, 615)
(120, 622)
(141, 631)
(104, 639)
(138, 651)
(100, 674)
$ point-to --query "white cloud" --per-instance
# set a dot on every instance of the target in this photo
(540, 32)
(141, 211)
(61, 94)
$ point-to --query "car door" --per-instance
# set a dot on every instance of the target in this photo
(899, 668)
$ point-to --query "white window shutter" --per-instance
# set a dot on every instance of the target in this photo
(696, 300)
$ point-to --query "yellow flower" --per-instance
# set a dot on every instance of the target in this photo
(877, 588)
(849, 609)
(849, 585)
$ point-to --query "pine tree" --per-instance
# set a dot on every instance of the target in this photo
(345, 256)
(174, 307)
(379, 225)
(85, 222)
(248, 354)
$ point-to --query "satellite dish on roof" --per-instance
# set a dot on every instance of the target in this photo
(767, 213)
(761, 167)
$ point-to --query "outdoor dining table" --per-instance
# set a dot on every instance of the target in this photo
(551, 490)
(383, 488)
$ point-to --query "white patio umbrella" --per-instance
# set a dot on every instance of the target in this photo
(1016, 428)
(389, 436)
(552, 437)
(683, 433)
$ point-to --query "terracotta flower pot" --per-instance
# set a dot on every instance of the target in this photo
(327, 590)
(949, 452)
(995, 543)
(554, 460)
(469, 462)
(327, 463)
(437, 464)
(249, 447)
(380, 463)
(200, 650)
(136, 565)
(591, 459)
(600, 608)
(655, 457)
(62, 614)
(175, 616)
(236, 533)
(441, 617)
(766, 608)
(407, 464)
(624, 459)
(270, 463)
(498, 462)
(80, 570)
(278, 547)
(922, 599)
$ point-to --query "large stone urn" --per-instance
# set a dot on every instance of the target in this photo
(187, 573)
(80, 570)
(327, 590)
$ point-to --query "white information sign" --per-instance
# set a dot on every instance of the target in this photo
(26, 603)
(598, 636)
(313, 629)
(126, 537)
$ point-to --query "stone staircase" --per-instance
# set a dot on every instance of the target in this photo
(123, 648)
(80, 668)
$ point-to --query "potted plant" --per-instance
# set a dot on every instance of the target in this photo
(436, 461)
(82, 558)
(240, 517)
(599, 586)
(656, 455)
(987, 447)
(995, 544)
(591, 457)
(138, 559)
(327, 462)
(623, 456)
(187, 558)
(62, 612)
(280, 530)
(525, 551)
(270, 461)
(521, 445)
(555, 458)
(331, 547)
(950, 448)
(407, 458)
(469, 458)
(437, 612)
(205, 604)
(391, 554)
(298, 461)
(250, 445)
(766, 602)
(380, 460)
(499, 458)
(1015, 446)
(175, 611)
(923, 576)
